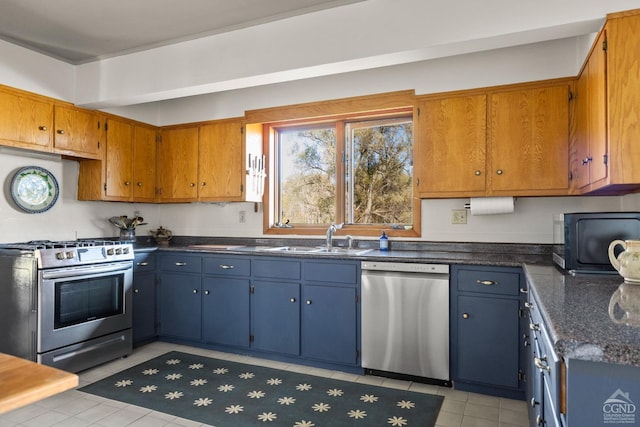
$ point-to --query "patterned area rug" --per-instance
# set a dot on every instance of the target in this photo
(228, 394)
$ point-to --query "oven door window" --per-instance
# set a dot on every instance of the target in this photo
(79, 301)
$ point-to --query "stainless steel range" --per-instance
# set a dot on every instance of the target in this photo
(66, 304)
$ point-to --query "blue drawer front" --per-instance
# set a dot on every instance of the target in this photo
(276, 268)
(183, 263)
(227, 266)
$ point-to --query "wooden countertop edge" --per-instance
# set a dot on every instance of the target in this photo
(23, 382)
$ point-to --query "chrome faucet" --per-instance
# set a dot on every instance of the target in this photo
(330, 231)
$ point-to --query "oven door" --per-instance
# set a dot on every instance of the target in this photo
(77, 304)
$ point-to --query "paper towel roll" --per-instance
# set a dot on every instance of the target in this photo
(491, 205)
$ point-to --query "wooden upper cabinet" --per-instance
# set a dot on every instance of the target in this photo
(76, 132)
(528, 141)
(118, 160)
(220, 161)
(178, 164)
(589, 146)
(26, 120)
(144, 163)
(450, 146)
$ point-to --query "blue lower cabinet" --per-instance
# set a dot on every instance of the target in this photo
(225, 311)
(487, 329)
(180, 306)
(329, 324)
(275, 317)
(144, 298)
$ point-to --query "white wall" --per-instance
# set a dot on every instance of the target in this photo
(531, 222)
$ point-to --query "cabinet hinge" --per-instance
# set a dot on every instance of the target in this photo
(605, 45)
(158, 191)
(241, 188)
(605, 159)
(241, 130)
(357, 299)
(98, 145)
(252, 289)
(357, 355)
(106, 126)
(570, 175)
(570, 96)
(250, 338)
(522, 377)
(158, 137)
(520, 312)
(418, 109)
(105, 187)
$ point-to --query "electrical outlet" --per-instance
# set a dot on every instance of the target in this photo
(458, 216)
(242, 217)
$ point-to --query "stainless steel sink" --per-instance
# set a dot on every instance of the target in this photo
(318, 250)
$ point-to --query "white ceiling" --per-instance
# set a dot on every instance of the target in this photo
(80, 31)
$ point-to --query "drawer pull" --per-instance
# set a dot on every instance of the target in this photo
(180, 264)
(524, 291)
(486, 282)
(142, 264)
(533, 402)
(534, 326)
(539, 420)
(528, 305)
(226, 266)
(540, 363)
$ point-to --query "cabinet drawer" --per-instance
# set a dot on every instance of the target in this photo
(184, 263)
(485, 281)
(144, 262)
(277, 269)
(227, 266)
(332, 272)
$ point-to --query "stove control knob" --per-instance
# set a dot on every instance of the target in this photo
(110, 251)
(61, 255)
(118, 251)
(70, 255)
(125, 250)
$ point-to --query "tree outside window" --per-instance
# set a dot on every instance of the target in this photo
(358, 172)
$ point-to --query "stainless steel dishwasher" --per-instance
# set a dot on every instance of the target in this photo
(405, 320)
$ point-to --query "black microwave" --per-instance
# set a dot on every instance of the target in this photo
(587, 236)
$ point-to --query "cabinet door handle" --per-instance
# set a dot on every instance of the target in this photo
(42, 128)
(486, 282)
(195, 291)
(499, 171)
(226, 266)
(192, 184)
(206, 292)
(143, 264)
(136, 291)
(127, 183)
(524, 291)
(181, 264)
(534, 326)
(203, 183)
(533, 402)
(465, 315)
(292, 300)
(587, 160)
(478, 173)
(539, 420)
(528, 305)
(139, 184)
(60, 132)
(540, 363)
(308, 302)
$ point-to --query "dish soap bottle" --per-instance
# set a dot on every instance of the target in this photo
(384, 242)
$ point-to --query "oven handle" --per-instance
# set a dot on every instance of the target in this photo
(84, 270)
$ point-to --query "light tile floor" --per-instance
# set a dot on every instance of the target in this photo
(76, 409)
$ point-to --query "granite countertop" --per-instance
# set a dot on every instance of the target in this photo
(576, 312)
(496, 254)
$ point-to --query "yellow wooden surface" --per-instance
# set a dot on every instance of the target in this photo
(23, 382)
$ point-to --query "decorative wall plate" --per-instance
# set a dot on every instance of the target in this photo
(34, 189)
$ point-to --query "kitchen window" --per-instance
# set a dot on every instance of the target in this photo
(356, 170)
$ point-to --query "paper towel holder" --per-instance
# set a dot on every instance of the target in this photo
(468, 205)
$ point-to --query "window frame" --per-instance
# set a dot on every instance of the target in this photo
(269, 144)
